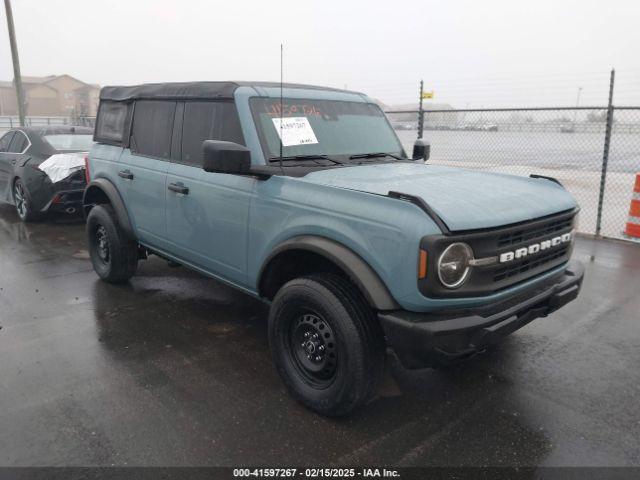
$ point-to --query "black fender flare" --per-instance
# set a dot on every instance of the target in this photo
(359, 271)
(109, 190)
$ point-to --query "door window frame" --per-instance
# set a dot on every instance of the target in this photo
(171, 136)
(176, 157)
(176, 137)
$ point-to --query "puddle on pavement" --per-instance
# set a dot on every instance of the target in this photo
(222, 328)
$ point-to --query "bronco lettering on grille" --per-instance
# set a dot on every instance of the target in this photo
(534, 248)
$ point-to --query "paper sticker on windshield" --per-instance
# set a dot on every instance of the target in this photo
(295, 131)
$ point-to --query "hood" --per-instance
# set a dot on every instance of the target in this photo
(464, 199)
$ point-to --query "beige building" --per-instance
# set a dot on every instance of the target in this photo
(52, 96)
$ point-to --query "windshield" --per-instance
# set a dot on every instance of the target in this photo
(323, 127)
(69, 141)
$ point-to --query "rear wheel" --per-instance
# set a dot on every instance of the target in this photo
(114, 256)
(326, 344)
(22, 201)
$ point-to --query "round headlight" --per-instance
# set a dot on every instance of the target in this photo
(453, 265)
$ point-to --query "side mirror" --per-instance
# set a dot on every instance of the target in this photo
(225, 157)
(421, 150)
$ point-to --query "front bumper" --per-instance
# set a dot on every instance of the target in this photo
(441, 338)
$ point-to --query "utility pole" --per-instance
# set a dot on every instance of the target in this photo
(17, 78)
(605, 154)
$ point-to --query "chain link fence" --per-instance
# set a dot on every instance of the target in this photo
(564, 143)
(8, 122)
(623, 164)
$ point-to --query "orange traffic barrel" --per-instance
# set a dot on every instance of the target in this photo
(633, 224)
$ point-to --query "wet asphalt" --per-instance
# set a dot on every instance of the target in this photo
(174, 369)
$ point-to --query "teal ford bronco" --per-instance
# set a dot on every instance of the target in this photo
(304, 197)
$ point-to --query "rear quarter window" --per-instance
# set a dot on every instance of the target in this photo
(111, 121)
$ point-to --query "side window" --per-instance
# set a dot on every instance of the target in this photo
(111, 122)
(19, 143)
(5, 141)
(207, 121)
(152, 128)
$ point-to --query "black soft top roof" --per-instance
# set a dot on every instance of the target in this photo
(207, 90)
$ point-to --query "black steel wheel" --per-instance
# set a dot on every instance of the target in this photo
(313, 349)
(102, 244)
(326, 343)
(113, 254)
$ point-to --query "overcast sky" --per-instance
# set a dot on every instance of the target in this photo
(475, 53)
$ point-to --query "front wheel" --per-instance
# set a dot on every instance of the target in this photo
(326, 343)
(114, 256)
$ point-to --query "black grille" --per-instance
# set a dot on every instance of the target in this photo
(485, 280)
(530, 264)
(525, 234)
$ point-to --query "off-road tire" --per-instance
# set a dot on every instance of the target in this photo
(121, 259)
(22, 202)
(358, 344)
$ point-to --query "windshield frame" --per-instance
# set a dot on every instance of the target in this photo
(338, 160)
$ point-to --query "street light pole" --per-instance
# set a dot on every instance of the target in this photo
(575, 112)
(17, 78)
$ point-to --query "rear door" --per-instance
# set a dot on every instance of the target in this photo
(19, 144)
(6, 168)
(207, 213)
(143, 169)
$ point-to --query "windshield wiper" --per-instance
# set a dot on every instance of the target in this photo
(375, 155)
(306, 157)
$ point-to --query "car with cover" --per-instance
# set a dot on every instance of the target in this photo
(304, 197)
(42, 169)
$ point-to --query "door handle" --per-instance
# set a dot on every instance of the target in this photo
(126, 174)
(13, 162)
(178, 188)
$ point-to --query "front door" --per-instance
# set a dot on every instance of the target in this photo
(207, 213)
(6, 167)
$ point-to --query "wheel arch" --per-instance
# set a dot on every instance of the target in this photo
(323, 253)
(101, 191)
